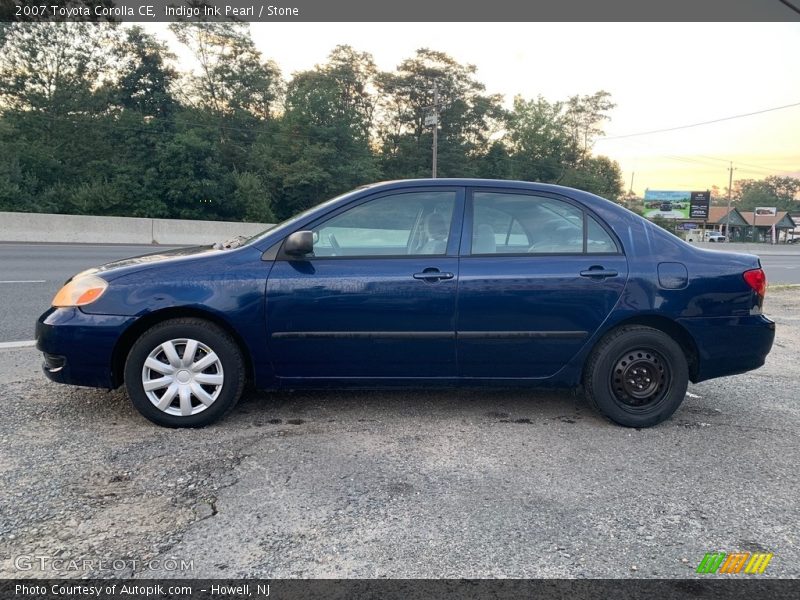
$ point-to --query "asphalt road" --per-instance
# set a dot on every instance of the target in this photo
(404, 484)
(31, 274)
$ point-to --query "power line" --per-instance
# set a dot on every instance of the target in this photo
(760, 169)
(790, 5)
(750, 114)
(738, 162)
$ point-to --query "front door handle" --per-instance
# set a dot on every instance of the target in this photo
(432, 274)
(598, 272)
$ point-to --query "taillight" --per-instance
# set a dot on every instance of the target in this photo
(757, 280)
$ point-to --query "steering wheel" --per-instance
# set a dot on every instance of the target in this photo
(334, 244)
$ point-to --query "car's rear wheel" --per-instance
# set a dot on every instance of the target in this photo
(184, 373)
(636, 376)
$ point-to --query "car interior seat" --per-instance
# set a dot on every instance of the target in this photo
(435, 228)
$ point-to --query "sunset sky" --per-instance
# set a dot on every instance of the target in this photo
(661, 75)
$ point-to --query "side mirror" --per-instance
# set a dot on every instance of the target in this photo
(299, 243)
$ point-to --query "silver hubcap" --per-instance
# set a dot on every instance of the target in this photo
(182, 377)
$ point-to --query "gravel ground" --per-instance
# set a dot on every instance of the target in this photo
(461, 483)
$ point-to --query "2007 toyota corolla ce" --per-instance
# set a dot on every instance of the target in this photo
(413, 283)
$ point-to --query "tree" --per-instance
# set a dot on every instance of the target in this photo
(780, 192)
(233, 76)
(354, 73)
(539, 140)
(52, 99)
(253, 199)
(53, 69)
(145, 78)
(585, 116)
(468, 116)
(96, 119)
(322, 145)
(597, 174)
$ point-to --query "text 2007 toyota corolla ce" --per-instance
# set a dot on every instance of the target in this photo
(447, 281)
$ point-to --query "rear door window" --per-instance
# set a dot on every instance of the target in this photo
(506, 223)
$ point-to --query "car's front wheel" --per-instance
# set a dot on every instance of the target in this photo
(636, 376)
(184, 373)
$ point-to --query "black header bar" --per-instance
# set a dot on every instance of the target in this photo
(746, 587)
(405, 11)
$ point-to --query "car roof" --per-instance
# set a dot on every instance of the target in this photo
(601, 205)
(467, 182)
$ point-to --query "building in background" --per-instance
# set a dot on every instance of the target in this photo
(768, 228)
(733, 226)
(689, 215)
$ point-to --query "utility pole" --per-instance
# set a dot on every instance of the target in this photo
(435, 127)
(632, 174)
(728, 218)
(433, 119)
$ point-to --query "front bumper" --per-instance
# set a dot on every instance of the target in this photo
(730, 345)
(79, 347)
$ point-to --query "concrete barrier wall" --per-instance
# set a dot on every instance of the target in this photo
(80, 229)
(37, 227)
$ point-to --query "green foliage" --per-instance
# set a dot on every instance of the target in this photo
(468, 116)
(252, 198)
(97, 119)
(666, 224)
(599, 175)
(780, 192)
(540, 144)
(585, 116)
(233, 77)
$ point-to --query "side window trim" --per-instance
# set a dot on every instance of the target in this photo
(611, 235)
(585, 233)
(465, 248)
(454, 239)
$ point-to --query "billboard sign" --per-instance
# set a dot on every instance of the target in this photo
(766, 211)
(667, 204)
(698, 205)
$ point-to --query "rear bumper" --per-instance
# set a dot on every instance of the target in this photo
(79, 347)
(730, 345)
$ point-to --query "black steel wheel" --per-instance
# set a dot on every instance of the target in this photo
(636, 376)
(640, 378)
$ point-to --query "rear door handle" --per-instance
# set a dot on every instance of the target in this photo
(598, 273)
(433, 275)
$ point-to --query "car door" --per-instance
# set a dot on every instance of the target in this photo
(377, 297)
(538, 276)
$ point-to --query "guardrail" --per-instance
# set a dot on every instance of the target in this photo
(81, 229)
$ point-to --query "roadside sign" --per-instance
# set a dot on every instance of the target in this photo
(766, 211)
(668, 204)
(698, 205)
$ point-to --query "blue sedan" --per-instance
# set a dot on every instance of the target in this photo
(415, 283)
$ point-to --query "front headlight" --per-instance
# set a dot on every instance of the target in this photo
(80, 291)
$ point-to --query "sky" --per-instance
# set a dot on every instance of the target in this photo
(660, 75)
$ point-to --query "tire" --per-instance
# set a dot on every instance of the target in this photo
(636, 376)
(184, 392)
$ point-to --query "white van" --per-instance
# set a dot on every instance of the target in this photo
(697, 235)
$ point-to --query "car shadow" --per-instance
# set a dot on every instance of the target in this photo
(514, 406)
